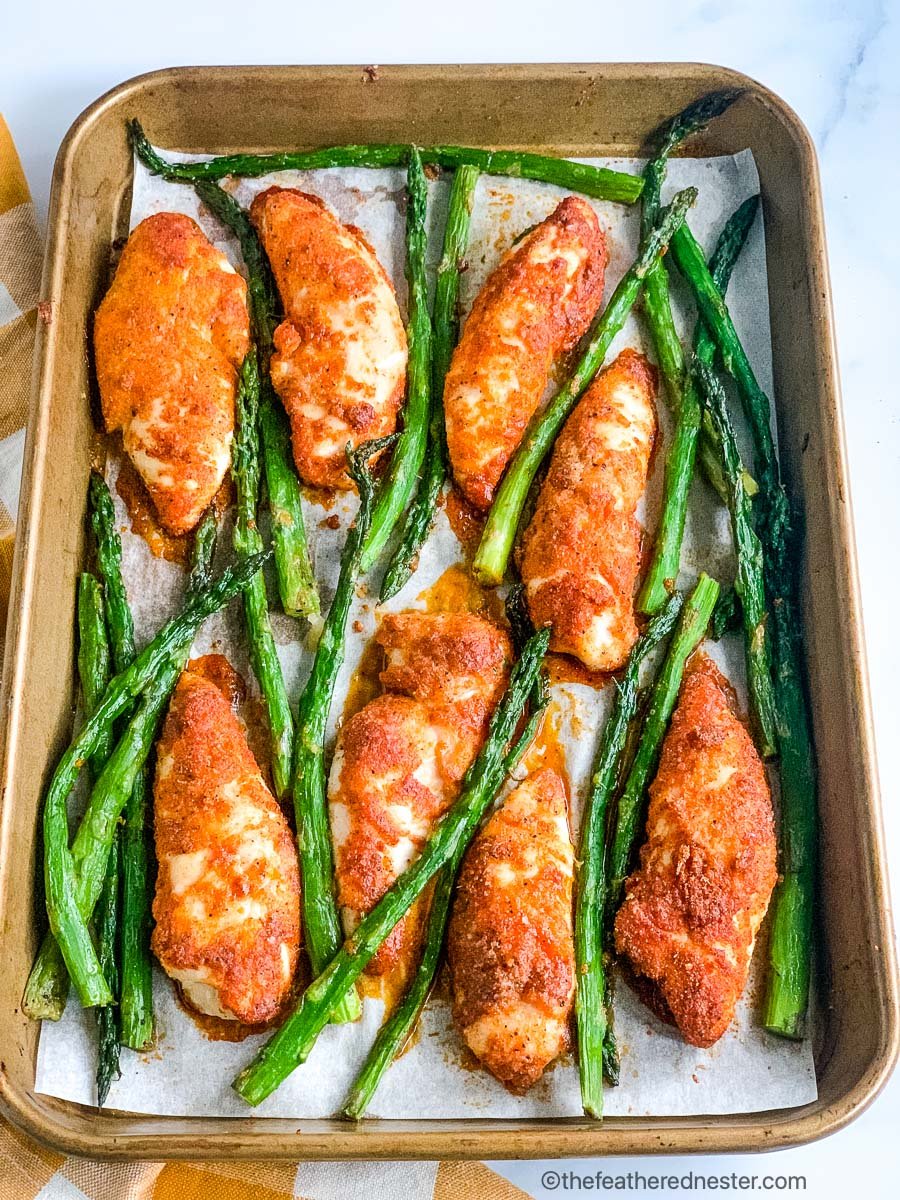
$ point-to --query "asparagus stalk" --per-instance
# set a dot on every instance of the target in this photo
(203, 551)
(590, 869)
(503, 519)
(296, 581)
(692, 625)
(130, 860)
(409, 454)
(790, 943)
(291, 1044)
(727, 616)
(685, 124)
(93, 672)
(106, 924)
(321, 923)
(247, 542)
(599, 182)
(663, 570)
(446, 331)
(396, 1032)
(93, 649)
(68, 923)
(749, 582)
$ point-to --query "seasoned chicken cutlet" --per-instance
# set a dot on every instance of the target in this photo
(169, 339)
(534, 307)
(227, 904)
(339, 363)
(708, 867)
(399, 761)
(580, 554)
(510, 943)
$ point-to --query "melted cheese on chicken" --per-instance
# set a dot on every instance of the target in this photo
(534, 307)
(510, 943)
(227, 903)
(399, 761)
(339, 363)
(169, 339)
(708, 866)
(580, 554)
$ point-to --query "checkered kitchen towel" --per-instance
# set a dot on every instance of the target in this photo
(28, 1171)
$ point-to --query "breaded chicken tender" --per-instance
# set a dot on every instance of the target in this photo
(227, 904)
(510, 943)
(534, 307)
(169, 339)
(399, 761)
(339, 363)
(580, 554)
(708, 867)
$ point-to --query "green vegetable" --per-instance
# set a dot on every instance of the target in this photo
(790, 942)
(503, 519)
(93, 672)
(203, 550)
(690, 421)
(599, 182)
(406, 462)
(296, 581)
(590, 870)
(93, 648)
(130, 860)
(446, 331)
(321, 923)
(749, 583)
(247, 542)
(690, 121)
(291, 1044)
(692, 625)
(396, 1031)
(68, 923)
(107, 927)
(727, 616)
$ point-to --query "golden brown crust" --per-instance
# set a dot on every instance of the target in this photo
(339, 363)
(535, 306)
(399, 761)
(510, 944)
(169, 339)
(227, 903)
(580, 555)
(708, 866)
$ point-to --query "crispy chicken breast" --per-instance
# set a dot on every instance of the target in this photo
(399, 762)
(227, 904)
(534, 307)
(169, 339)
(708, 867)
(510, 943)
(580, 554)
(339, 363)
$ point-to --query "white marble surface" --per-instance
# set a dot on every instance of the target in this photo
(837, 63)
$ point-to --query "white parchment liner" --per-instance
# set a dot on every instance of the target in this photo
(188, 1075)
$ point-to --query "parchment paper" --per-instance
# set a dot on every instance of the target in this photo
(187, 1074)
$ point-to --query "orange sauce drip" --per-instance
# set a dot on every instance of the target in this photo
(547, 749)
(142, 516)
(365, 682)
(456, 591)
(466, 521)
(325, 497)
(144, 521)
(563, 669)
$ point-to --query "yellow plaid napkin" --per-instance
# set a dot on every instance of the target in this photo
(28, 1171)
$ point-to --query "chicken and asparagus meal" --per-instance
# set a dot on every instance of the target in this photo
(278, 874)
